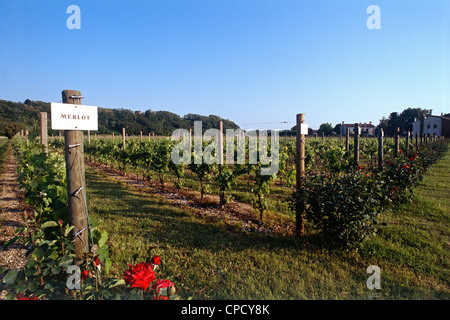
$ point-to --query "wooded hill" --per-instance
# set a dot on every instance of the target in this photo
(15, 116)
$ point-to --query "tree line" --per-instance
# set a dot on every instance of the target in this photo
(16, 116)
(402, 120)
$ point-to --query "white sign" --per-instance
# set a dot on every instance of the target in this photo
(304, 128)
(66, 116)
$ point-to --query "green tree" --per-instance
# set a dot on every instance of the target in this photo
(326, 129)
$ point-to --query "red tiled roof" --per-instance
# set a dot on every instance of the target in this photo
(366, 125)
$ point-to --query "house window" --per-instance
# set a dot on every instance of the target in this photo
(435, 126)
(428, 126)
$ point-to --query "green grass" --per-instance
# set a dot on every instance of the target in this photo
(416, 240)
(209, 259)
(4, 145)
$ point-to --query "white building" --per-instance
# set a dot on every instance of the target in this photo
(366, 129)
(433, 125)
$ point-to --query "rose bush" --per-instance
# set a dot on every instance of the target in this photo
(50, 248)
(344, 208)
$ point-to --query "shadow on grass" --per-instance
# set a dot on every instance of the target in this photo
(155, 218)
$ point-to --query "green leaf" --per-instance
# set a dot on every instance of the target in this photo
(56, 270)
(117, 283)
(30, 271)
(49, 224)
(10, 242)
(38, 252)
(65, 261)
(68, 229)
(32, 286)
(34, 184)
(11, 277)
(21, 288)
(103, 239)
(107, 265)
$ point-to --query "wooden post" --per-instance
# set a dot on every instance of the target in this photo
(89, 137)
(407, 140)
(123, 138)
(44, 136)
(300, 174)
(397, 141)
(422, 124)
(380, 148)
(74, 155)
(347, 139)
(190, 140)
(356, 146)
(220, 140)
(140, 136)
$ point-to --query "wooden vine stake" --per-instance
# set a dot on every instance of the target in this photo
(347, 139)
(300, 175)
(356, 146)
(123, 139)
(44, 134)
(74, 156)
(397, 141)
(220, 142)
(380, 148)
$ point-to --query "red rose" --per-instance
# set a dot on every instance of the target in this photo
(22, 297)
(139, 276)
(96, 261)
(156, 260)
(84, 275)
(162, 284)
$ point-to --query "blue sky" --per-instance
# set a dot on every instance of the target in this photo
(255, 62)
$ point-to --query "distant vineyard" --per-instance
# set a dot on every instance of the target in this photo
(340, 201)
(150, 159)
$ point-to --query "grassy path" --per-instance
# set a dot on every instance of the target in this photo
(414, 246)
(209, 259)
(11, 212)
(4, 144)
